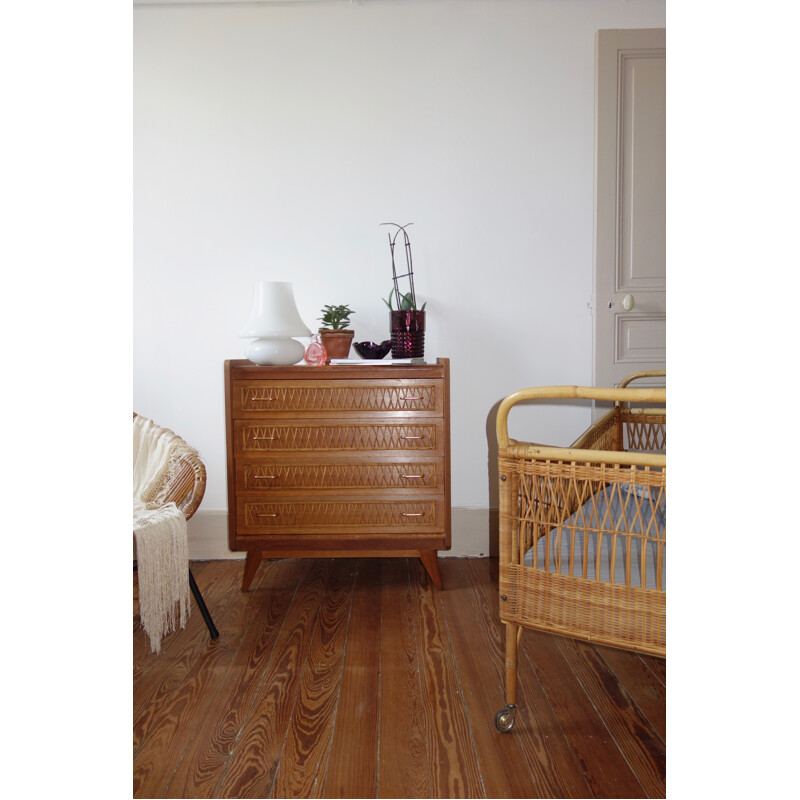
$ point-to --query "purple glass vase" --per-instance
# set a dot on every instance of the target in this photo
(408, 334)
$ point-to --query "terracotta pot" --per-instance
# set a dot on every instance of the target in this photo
(408, 334)
(337, 343)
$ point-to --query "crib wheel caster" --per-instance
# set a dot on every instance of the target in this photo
(504, 718)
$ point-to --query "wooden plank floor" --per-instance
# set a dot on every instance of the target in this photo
(357, 678)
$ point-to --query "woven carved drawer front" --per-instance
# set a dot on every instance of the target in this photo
(334, 396)
(265, 477)
(254, 438)
(373, 516)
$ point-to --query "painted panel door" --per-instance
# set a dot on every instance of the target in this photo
(629, 301)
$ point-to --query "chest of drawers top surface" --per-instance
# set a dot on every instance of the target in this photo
(242, 368)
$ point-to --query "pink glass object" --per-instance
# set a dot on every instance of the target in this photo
(315, 354)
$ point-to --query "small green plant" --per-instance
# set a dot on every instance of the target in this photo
(407, 302)
(335, 318)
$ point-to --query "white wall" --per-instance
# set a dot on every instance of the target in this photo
(270, 141)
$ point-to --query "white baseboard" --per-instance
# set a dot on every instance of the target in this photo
(470, 532)
(473, 534)
(208, 537)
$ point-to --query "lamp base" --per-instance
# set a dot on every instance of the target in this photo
(274, 352)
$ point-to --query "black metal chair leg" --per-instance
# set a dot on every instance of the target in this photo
(202, 606)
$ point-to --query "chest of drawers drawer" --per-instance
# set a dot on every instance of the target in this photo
(323, 436)
(336, 460)
(265, 477)
(337, 399)
(332, 516)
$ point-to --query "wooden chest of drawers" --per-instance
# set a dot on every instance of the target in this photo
(338, 461)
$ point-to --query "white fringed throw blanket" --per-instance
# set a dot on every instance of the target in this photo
(162, 549)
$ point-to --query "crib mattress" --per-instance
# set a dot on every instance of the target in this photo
(617, 536)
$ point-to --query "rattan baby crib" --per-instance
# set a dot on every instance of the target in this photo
(583, 528)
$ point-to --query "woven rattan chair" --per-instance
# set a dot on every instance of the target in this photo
(186, 490)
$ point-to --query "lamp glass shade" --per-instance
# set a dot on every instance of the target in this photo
(273, 321)
(274, 313)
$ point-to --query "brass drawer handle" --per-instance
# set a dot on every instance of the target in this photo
(409, 514)
(411, 437)
(264, 438)
(409, 477)
(264, 477)
(411, 397)
(266, 515)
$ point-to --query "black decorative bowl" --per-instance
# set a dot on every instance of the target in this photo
(372, 350)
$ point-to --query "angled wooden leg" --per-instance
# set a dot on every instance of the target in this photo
(251, 565)
(430, 560)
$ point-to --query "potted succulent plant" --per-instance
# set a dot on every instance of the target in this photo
(334, 333)
(407, 321)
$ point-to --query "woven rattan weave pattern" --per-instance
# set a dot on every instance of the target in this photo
(328, 516)
(341, 397)
(409, 476)
(187, 485)
(293, 436)
(333, 460)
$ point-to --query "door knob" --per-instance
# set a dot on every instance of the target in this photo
(627, 302)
